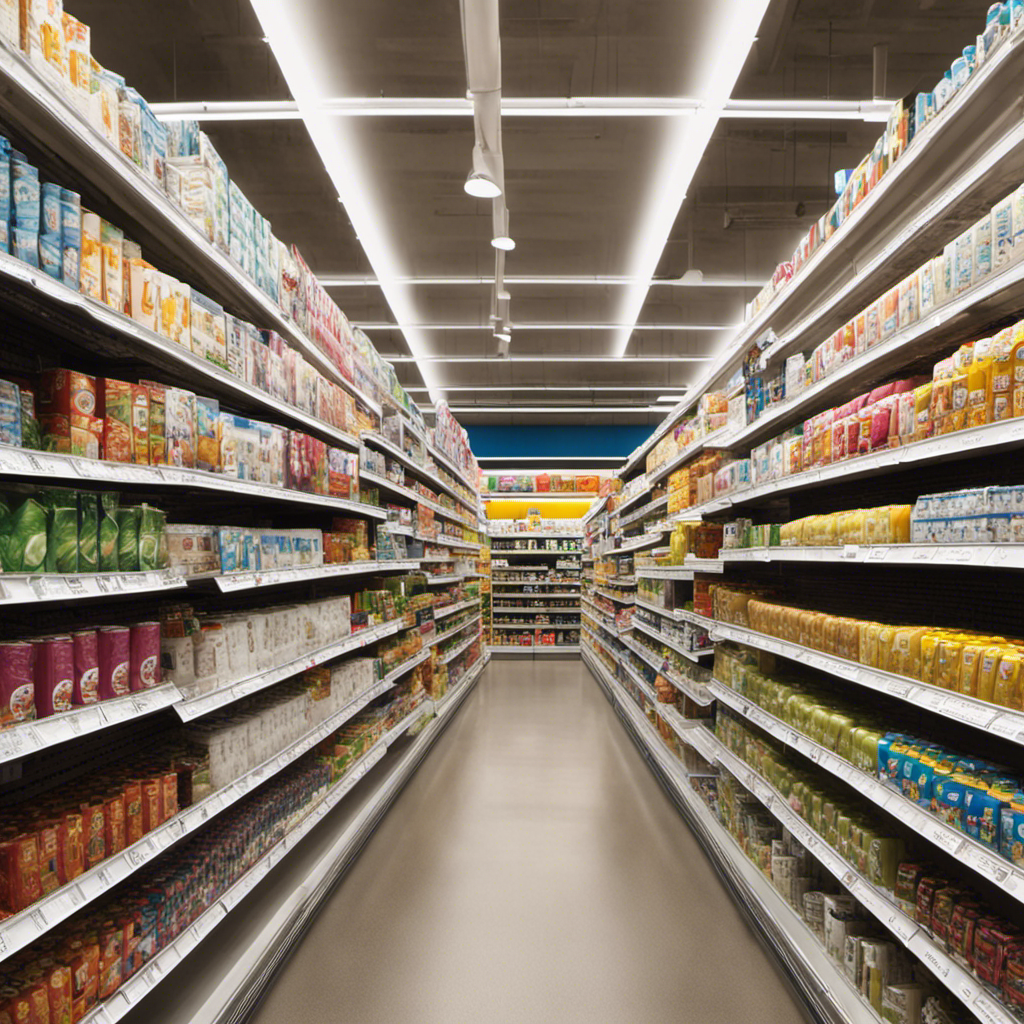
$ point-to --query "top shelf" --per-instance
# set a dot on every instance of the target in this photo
(967, 158)
(43, 116)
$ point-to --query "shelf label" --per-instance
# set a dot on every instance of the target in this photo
(1007, 725)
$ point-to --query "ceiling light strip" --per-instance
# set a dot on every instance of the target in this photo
(604, 281)
(732, 36)
(559, 409)
(286, 28)
(564, 359)
(502, 388)
(512, 106)
(368, 327)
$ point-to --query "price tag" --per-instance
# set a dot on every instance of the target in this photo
(933, 699)
(988, 1011)
(1009, 726)
(946, 839)
(900, 926)
(46, 588)
(877, 554)
(970, 712)
(993, 869)
(923, 555)
(851, 551)
(897, 688)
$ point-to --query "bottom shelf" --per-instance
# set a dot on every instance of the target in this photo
(281, 894)
(822, 984)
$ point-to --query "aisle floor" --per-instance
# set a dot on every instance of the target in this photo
(532, 871)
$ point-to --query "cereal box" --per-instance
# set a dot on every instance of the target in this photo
(111, 249)
(140, 424)
(180, 424)
(208, 330)
(91, 256)
(115, 405)
(143, 293)
(207, 433)
(157, 423)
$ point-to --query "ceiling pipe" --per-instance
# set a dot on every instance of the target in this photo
(481, 40)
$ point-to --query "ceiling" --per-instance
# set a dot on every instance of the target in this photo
(576, 187)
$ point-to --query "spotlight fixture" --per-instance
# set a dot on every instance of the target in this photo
(483, 179)
(503, 335)
(504, 243)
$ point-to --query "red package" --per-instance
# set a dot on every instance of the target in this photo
(169, 807)
(152, 804)
(84, 960)
(54, 675)
(47, 846)
(39, 999)
(144, 656)
(87, 668)
(114, 658)
(94, 833)
(17, 682)
(19, 873)
(57, 978)
(110, 960)
(70, 848)
(114, 823)
(133, 812)
(994, 943)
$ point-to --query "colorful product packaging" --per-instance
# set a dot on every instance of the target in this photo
(113, 660)
(17, 682)
(54, 675)
(86, 667)
(145, 656)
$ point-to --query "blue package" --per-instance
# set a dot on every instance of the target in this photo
(26, 246)
(71, 237)
(50, 255)
(25, 195)
(49, 205)
(5, 189)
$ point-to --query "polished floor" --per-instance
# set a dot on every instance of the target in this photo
(532, 871)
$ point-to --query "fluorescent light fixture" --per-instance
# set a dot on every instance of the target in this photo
(671, 398)
(568, 358)
(520, 106)
(290, 33)
(729, 41)
(600, 280)
(484, 181)
(550, 327)
(546, 388)
(503, 335)
(504, 243)
(561, 410)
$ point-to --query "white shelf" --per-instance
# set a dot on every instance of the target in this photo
(537, 495)
(451, 609)
(519, 627)
(989, 556)
(680, 572)
(434, 581)
(228, 583)
(783, 925)
(697, 692)
(668, 641)
(384, 445)
(375, 480)
(543, 608)
(19, 930)
(19, 741)
(445, 460)
(987, 439)
(503, 552)
(679, 614)
(42, 113)
(438, 637)
(537, 533)
(881, 240)
(905, 929)
(637, 544)
(716, 439)
(458, 649)
(642, 513)
(166, 959)
(37, 588)
(617, 598)
(74, 469)
(624, 503)
(203, 704)
(963, 848)
(992, 718)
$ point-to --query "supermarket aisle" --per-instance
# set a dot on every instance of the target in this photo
(532, 870)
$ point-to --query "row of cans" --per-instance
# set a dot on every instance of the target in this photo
(46, 676)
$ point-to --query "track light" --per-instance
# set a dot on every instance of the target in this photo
(483, 180)
(500, 235)
(504, 243)
(503, 335)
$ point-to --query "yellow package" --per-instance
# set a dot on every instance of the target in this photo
(957, 418)
(906, 647)
(970, 663)
(885, 637)
(947, 662)
(979, 389)
(929, 655)
(923, 426)
(830, 635)
(899, 523)
(869, 644)
(988, 670)
(1007, 689)
(1002, 375)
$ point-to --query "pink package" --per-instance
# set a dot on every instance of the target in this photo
(17, 682)
(881, 414)
(145, 655)
(838, 440)
(853, 435)
(87, 667)
(864, 417)
(54, 674)
(113, 649)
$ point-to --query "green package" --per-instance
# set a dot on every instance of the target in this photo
(88, 531)
(151, 537)
(62, 539)
(108, 560)
(24, 543)
(128, 538)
